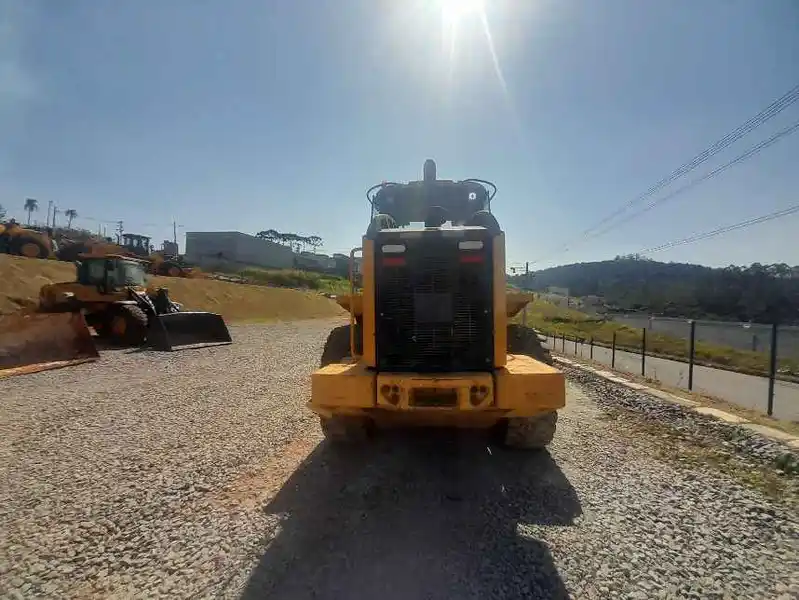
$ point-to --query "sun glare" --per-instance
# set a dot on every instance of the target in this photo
(453, 11)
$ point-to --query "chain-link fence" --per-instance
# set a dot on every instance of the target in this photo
(737, 362)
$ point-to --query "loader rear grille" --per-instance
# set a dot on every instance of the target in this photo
(434, 309)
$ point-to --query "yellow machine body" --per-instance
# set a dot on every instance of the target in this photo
(523, 388)
(429, 341)
(516, 386)
(91, 298)
(30, 243)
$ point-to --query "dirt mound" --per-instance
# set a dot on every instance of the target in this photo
(21, 279)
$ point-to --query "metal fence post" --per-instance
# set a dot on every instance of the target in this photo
(591, 350)
(691, 350)
(575, 345)
(613, 352)
(643, 352)
(772, 370)
(563, 342)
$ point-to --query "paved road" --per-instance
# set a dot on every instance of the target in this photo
(747, 391)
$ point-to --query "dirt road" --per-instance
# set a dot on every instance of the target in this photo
(200, 474)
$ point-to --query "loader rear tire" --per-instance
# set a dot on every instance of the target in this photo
(531, 433)
(524, 340)
(28, 247)
(345, 429)
(337, 346)
(127, 325)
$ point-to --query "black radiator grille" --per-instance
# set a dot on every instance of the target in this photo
(434, 312)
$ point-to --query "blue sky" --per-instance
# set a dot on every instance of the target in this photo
(256, 114)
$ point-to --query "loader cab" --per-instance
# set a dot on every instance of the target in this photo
(136, 244)
(108, 273)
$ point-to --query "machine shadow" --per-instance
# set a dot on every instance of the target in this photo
(416, 515)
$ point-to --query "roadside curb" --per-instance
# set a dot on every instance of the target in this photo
(762, 430)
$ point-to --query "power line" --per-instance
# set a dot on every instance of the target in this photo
(767, 113)
(710, 234)
(754, 150)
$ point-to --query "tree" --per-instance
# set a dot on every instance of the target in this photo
(2, 212)
(294, 241)
(314, 241)
(269, 235)
(70, 214)
(31, 205)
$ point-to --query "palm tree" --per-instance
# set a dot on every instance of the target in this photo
(70, 214)
(31, 204)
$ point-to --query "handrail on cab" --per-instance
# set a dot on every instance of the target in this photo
(352, 302)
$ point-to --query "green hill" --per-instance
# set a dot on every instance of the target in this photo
(757, 293)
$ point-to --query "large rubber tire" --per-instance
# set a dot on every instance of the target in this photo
(170, 269)
(346, 429)
(530, 433)
(337, 346)
(29, 247)
(524, 340)
(133, 321)
(70, 252)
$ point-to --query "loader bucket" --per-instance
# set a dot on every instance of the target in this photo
(347, 300)
(171, 330)
(33, 342)
(516, 301)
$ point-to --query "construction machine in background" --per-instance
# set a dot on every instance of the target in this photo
(133, 245)
(112, 294)
(429, 343)
(17, 240)
(160, 262)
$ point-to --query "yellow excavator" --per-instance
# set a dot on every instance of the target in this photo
(429, 342)
(109, 295)
(17, 240)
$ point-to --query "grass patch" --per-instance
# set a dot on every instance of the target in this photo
(689, 452)
(292, 278)
(554, 320)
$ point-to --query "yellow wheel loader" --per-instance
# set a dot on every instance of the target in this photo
(19, 241)
(110, 291)
(429, 343)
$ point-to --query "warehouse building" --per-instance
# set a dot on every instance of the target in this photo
(220, 249)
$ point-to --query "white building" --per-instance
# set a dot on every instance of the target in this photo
(214, 249)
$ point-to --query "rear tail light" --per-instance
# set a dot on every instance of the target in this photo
(393, 261)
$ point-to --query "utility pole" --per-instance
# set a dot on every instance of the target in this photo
(49, 209)
(55, 212)
(175, 232)
(527, 284)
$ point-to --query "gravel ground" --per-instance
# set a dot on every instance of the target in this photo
(200, 475)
